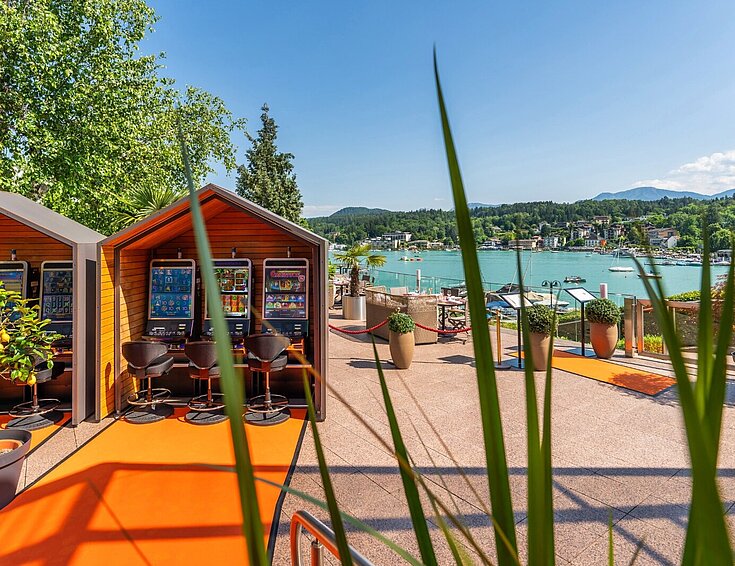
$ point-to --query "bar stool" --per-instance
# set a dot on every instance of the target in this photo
(203, 366)
(147, 360)
(38, 413)
(266, 355)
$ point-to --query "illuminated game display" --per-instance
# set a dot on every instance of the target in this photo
(234, 280)
(171, 298)
(14, 276)
(286, 284)
(57, 298)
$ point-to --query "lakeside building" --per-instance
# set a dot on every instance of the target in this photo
(663, 237)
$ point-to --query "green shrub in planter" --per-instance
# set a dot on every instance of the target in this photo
(602, 311)
(400, 323)
(541, 319)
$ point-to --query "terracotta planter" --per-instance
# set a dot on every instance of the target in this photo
(353, 308)
(11, 463)
(539, 350)
(401, 348)
(604, 338)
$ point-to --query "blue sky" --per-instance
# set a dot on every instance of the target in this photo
(548, 100)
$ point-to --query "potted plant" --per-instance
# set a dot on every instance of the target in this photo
(355, 258)
(401, 339)
(603, 316)
(24, 344)
(541, 325)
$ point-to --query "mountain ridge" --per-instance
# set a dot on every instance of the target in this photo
(654, 193)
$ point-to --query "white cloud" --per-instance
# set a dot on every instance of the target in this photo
(312, 210)
(709, 174)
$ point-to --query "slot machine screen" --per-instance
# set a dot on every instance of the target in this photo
(234, 287)
(56, 293)
(172, 291)
(13, 279)
(285, 291)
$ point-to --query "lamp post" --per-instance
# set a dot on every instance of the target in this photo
(551, 283)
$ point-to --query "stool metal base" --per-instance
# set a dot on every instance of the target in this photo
(158, 395)
(266, 419)
(202, 404)
(205, 417)
(150, 414)
(31, 408)
(36, 421)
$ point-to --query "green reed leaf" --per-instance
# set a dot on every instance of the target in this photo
(499, 485)
(231, 384)
(334, 515)
(421, 529)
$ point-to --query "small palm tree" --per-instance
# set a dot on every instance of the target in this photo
(141, 202)
(356, 257)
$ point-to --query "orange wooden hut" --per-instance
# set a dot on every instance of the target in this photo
(233, 223)
(42, 238)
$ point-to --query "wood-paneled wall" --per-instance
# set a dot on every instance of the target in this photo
(34, 247)
(253, 238)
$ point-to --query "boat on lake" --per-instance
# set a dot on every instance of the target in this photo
(620, 269)
(574, 279)
(650, 275)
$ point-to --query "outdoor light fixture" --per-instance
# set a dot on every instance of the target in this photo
(13, 255)
(233, 251)
(178, 253)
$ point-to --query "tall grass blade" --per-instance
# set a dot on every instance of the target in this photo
(499, 485)
(540, 523)
(707, 540)
(418, 519)
(229, 381)
(334, 515)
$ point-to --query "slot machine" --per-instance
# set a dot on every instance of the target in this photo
(234, 280)
(57, 299)
(285, 297)
(14, 276)
(171, 300)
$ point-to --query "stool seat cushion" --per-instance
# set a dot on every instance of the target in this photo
(44, 374)
(157, 367)
(276, 365)
(194, 371)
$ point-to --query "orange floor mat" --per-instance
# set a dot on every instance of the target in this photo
(38, 437)
(607, 372)
(140, 494)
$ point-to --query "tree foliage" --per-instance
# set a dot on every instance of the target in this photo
(268, 178)
(523, 220)
(85, 118)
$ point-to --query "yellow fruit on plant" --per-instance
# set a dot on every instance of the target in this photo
(31, 379)
(4, 336)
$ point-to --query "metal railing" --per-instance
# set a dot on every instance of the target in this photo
(323, 539)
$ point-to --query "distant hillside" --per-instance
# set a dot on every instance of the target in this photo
(653, 194)
(357, 211)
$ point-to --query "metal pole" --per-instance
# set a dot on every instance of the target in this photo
(317, 553)
(628, 325)
(499, 362)
(582, 322)
(520, 349)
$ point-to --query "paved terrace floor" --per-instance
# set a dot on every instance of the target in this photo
(614, 451)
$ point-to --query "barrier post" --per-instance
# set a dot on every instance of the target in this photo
(628, 325)
(418, 280)
(603, 290)
(499, 362)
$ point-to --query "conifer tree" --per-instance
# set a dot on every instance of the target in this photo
(268, 178)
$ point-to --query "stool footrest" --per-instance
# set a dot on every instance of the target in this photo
(202, 404)
(28, 409)
(260, 404)
(139, 399)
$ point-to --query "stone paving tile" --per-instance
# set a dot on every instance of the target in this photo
(50, 453)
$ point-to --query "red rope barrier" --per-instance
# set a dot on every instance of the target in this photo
(345, 331)
(447, 331)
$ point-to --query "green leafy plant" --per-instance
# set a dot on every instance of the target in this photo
(358, 256)
(332, 269)
(686, 296)
(24, 342)
(401, 323)
(602, 311)
(707, 540)
(541, 319)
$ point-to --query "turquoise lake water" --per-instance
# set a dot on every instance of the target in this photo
(443, 268)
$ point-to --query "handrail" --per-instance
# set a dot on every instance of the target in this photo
(323, 535)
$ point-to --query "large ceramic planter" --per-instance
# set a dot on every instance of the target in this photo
(401, 348)
(604, 338)
(539, 350)
(353, 308)
(11, 463)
